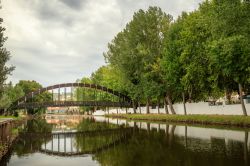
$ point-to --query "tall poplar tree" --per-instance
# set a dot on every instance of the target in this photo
(137, 50)
(4, 58)
(230, 46)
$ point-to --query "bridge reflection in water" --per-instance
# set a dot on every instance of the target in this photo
(81, 143)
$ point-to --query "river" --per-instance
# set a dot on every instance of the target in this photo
(68, 140)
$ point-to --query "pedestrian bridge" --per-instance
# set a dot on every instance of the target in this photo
(73, 94)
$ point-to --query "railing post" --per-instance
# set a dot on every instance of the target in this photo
(95, 95)
(65, 94)
(32, 95)
(113, 98)
(52, 91)
(71, 93)
(59, 93)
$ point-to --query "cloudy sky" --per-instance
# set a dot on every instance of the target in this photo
(57, 41)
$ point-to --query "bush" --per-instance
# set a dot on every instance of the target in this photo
(16, 114)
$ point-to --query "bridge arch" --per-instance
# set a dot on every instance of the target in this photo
(22, 102)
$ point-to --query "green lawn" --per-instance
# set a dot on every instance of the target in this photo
(9, 117)
(4, 117)
(229, 120)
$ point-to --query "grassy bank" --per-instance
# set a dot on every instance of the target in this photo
(8, 117)
(226, 120)
(5, 144)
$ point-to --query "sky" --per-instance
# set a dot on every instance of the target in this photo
(60, 41)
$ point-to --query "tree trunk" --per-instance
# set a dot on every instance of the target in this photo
(147, 109)
(184, 103)
(246, 148)
(170, 104)
(139, 104)
(186, 136)
(228, 96)
(171, 135)
(134, 109)
(242, 101)
(148, 127)
(166, 105)
(158, 105)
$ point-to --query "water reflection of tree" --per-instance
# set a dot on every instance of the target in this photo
(93, 143)
(30, 140)
(100, 138)
(156, 148)
(90, 124)
(37, 126)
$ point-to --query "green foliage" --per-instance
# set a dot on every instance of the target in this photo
(231, 57)
(170, 63)
(9, 117)
(229, 50)
(4, 58)
(37, 126)
(10, 95)
(201, 54)
(137, 51)
(91, 125)
(109, 77)
(15, 114)
(105, 76)
(29, 86)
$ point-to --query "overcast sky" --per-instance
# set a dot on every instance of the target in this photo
(58, 41)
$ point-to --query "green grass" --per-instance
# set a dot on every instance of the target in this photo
(14, 131)
(226, 120)
(11, 117)
(4, 117)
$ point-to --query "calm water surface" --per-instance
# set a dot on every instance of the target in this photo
(75, 140)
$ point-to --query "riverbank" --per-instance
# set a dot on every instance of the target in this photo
(9, 133)
(224, 120)
(6, 146)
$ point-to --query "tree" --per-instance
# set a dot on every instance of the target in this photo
(171, 65)
(10, 95)
(27, 87)
(136, 52)
(4, 58)
(109, 77)
(194, 58)
(229, 48)
(231, 57)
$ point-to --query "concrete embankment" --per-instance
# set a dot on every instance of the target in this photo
(8, 134)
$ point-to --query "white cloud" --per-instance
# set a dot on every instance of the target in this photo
(54, 41)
